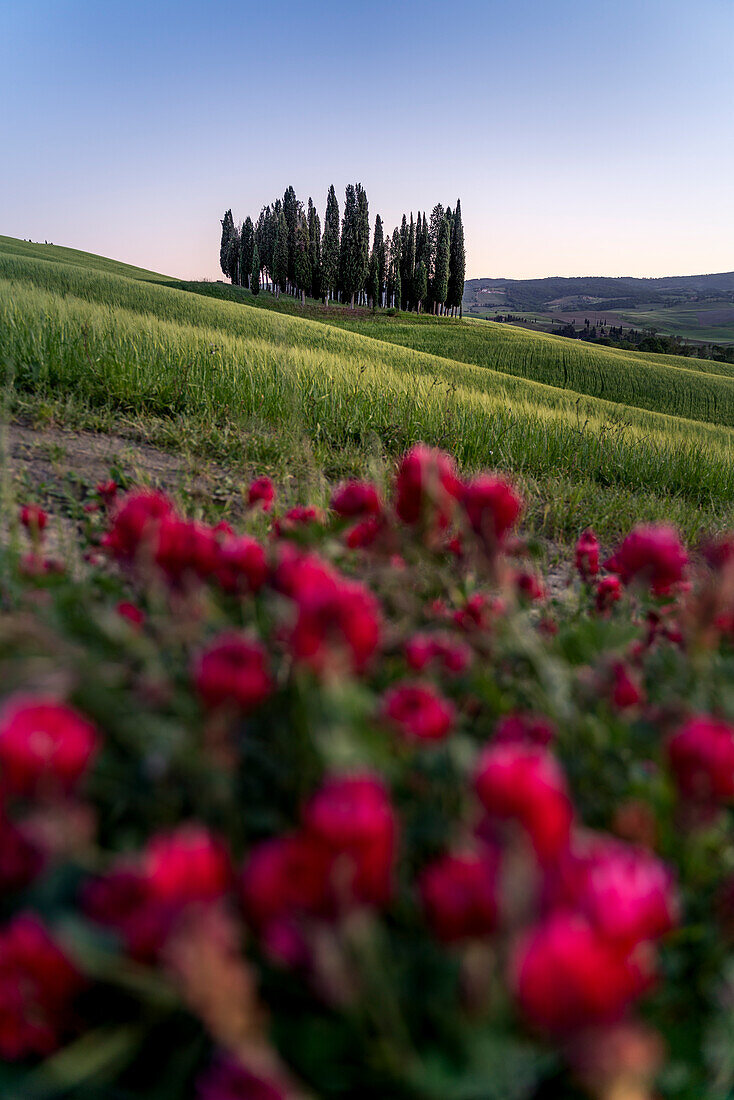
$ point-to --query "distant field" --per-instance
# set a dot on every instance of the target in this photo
(596, 435)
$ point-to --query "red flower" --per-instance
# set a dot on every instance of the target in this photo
(353, 818)
(424, 649)
(701, 756)
(587, 555)
(365, 533)
(626, 692)
(418, 712)
(283, 876)
(652, 555)
(338, 624)
(34, 519)
(529, 586)
(233, 670)
(261, 491)
(44, 744)
(299, 575)
(230, 1080)
(300, 516)
(492, 507)
(38, 984)
(427, 486)
(459, 894)
(521, 726)
(186, 865)
(608, 591)
(356, 498)
(568, 976)
(108, 491)
(241, 565)
(123, 900)
(134, 615)
(627, 893)
(185, 549)
(135, 522)
(525, 782)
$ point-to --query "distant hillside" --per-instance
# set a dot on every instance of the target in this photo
(598, 293)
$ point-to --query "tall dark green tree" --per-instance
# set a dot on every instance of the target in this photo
(394, 287)
(302, 263)
(409, 285)
(404, 276)
(363, 236)
(350, 261)
(255, 273)
(314, 243)
(227, 232)
(233, 257)
(247, 249)
(378, 252)
(330, 245)
(290, 210)
(441, 267)
(280, 254)
(457, 264)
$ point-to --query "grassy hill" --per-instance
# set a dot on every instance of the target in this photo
(596, 435)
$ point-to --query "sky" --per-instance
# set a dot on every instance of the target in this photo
(582, 138)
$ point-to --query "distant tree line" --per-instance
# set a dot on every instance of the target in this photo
(420, 267)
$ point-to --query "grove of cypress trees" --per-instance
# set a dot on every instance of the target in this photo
(330, 245)
(247, 248)
(441, 267)
(227, 232)
(255, 274)
(457, 263)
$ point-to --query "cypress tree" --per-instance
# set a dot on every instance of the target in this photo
(280, 254)
(394, 287)
(330, 245)
(314, 242)
(227, 231)
(441, 270)
(409, 289)
(255, 274)
(421, 285)
(302, 262)
(350, 269)
(457, 263)
(233, 257)
(363, 237)
(378, 251)
(247, 248)
(290, 210)
(403, 262)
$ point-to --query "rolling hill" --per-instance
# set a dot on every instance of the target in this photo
(596, 435)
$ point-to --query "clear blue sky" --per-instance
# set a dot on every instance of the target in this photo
(583, 138)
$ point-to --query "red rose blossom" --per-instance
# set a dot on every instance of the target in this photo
(135, 522)
(568, 976)
(130, 611)
(34, 519)
(525, 782)
(586, 556)
(338, 624)
(418, 712)
(38, 985)
(459, 894)
(608, 591)
(701, 755)
(492, 507)
(241, 565)
(626, 692)
(283, 876)
(261, 491)
(186, 865)
(44, 744)
(522, 726)
(652, 555)
(427, 487)
(355, 499)
(233, 670)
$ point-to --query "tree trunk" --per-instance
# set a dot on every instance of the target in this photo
(352, 301)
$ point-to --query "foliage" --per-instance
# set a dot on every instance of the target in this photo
(460, 835)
